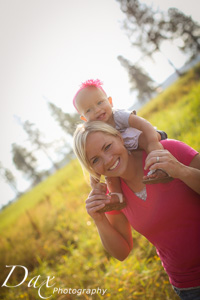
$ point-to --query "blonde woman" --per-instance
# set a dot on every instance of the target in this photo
(168, 215)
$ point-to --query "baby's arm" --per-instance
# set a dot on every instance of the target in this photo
(149, 138)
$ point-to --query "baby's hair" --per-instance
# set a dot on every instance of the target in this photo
(89, 83)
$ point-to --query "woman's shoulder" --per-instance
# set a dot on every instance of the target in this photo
(172, 143)
(180, 150)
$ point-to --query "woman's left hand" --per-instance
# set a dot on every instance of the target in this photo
(163, 159)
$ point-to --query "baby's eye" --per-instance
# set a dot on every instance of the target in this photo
(100, 102)
(108, 146)
(87, 111)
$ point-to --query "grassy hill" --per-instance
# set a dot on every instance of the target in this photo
(49, 232)
(177, 109)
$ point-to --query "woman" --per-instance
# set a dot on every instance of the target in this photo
(168, 215)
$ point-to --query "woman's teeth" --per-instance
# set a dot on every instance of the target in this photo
(114, 166)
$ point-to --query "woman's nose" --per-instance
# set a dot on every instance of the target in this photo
(107, 159)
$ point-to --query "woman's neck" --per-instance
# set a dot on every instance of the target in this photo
(134, 172)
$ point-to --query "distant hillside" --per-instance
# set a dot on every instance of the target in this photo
(171, 79)
(176, 110)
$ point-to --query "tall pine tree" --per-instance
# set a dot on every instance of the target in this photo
(139, 80)
(9, 178)
(185, 28)
(26, 162)
(35, 137)
(66, 121)
(145, 28)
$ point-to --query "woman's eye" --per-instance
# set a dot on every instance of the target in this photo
(107, 147)
(95, 160)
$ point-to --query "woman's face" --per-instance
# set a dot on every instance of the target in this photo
(106, 154)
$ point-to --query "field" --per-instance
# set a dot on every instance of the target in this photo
(49, 232)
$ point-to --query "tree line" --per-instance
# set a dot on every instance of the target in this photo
(147, 29)
(25, 157)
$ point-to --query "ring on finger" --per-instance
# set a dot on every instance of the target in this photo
(157, 159)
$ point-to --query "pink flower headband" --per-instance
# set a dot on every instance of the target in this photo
(91, 82)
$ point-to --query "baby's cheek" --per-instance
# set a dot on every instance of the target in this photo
(93, 119)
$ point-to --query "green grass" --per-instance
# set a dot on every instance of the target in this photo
(48, 230)
(41, 192)
(177, 109)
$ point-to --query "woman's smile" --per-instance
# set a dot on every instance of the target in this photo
(115, 165)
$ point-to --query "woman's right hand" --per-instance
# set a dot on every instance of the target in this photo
(96, 200)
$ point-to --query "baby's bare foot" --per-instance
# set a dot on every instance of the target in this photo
(157, 176)
(115, 203)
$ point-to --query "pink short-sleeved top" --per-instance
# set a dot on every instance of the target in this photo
(170, 219)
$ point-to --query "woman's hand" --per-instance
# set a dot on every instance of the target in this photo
(163, 159)
(96, 200)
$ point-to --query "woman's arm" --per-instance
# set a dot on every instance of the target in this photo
(114, 230)
(149, 139)
(190, 175)
(115, 234)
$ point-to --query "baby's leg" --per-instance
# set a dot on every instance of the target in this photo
(142, 142)
(159, 136)
(159, 175)
(148, 147)
(117, 201)
(114, 186)
(96, 184)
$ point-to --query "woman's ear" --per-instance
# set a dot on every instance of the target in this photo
(83, 118)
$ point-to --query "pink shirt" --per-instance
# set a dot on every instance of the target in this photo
(170, 219)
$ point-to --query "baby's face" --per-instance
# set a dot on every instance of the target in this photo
(94, 105)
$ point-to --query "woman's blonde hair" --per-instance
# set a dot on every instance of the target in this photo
(80, 138)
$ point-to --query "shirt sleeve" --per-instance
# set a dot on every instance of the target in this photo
(121, 118)
(180, 150)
